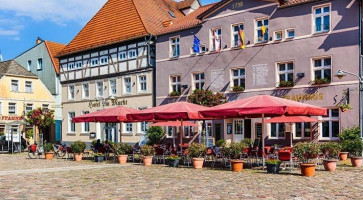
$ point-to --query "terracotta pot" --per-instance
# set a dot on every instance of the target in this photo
(237, 165)
(330, 165)
(356, 161)
(147, 160)
(198, 163)
(122, 159)
(308, 169)
(344, 109)
(49, 155)
(78, 157)
(343, 156)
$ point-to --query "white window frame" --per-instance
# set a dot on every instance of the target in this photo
(257, 28)
(277, 131)
(45, 106)
(322, 67)
(174, 47)
(321, 15)
(142, 83)
(110, 87)
(16, 84)
(85, 124)
(104, 60)
(235, 123)
(40, 64)
(27, 89)
(172, 130)
(287, 33)
(329, 119)
(200, 81)
(125, 128)
(94, 62)
(71, 66)
(70, 95)
(70, 122)
(303, 124)
(234, 33)
(97, 89)
(122, 55)
(15, 108)
(29, 65)
(84, 91)
(177, 83)
(78, 64)
(275, 35)
(286, 72)
(28, 105)
(125, 85)
(131, 54)
(212, 39)
(239, 77)
(188, 131)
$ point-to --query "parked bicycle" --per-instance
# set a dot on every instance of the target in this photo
(35, 151)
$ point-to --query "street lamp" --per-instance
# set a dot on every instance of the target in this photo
(104, 100)
(340, 74)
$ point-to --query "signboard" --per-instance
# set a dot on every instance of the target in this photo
(110, 102)
(260, 74)
(15, 118)
(16, 137)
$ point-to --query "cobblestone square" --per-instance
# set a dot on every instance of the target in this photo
(23, 178)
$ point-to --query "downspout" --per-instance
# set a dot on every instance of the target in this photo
(360, 69)
(154, 67)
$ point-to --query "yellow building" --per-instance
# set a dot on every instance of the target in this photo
(20, 92)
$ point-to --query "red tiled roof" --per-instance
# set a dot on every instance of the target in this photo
(53, 50)
(185, 4)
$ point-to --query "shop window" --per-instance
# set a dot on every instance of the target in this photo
(302, 130)
(330, 125)
(277, 130)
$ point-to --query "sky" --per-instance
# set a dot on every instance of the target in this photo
(22, 21)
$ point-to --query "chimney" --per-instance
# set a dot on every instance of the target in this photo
(38, 41)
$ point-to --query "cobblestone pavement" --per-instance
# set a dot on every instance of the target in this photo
(88, 180)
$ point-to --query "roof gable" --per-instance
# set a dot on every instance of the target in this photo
(53, 49)
(11, 67)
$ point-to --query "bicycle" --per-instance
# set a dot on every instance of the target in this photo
(35, 151)
(59, 150)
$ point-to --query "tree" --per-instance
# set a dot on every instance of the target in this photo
(41, 118)
(154, 135)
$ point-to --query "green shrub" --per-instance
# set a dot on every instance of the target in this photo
(122, 149)
(48, 147)
(248, 142)
(221, 143)
(273, 161)
(147, 150)
(331, 149)
(154, 135)
(236, 149)
(350, 134)
(173, 158)
(306, 151)
(29, 133)
(78, 147)
(196, 150)
(354, 147)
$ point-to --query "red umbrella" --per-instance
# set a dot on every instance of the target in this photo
(174, 123)
(110, 115)
(291, 119)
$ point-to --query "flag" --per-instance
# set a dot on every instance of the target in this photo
(263, 30)
(216, 41)
(196, 44)
(241, 37)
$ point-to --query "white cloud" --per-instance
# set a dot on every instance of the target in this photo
(57, 11)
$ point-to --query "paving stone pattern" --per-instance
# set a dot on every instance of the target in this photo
(21, 178)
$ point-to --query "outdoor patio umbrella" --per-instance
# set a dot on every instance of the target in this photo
(110, 115)
(174, 111)
(262, 106)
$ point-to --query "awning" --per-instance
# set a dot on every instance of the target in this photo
(291, 119)
(174, 123)
(110, 115)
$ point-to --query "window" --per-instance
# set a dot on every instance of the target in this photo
(132, 54)
(79, 64)
(277, 130)
(302, 130)
(262, 30)
(94, 62)
(286, 74)
(235, 35)
(122, 55)
(330, 125)
(290, 33)
(71, 92)
(216, 36)
(29, 66)
(175, 47)
(278, 35)
(85, 90)
(28, 86)
(238, 78)
(113, 87)
(175, 84)
(45, 106)
(142, 83)
(127, 127)
(127, 85)
(143, 127)
(85, 125)
(170, 131)
(104, 60)
(199, 81)
(28, 107)
(71, 124)
(188, 131)
(99, 88)
(12, 108)
(14, 85)
(40, 64)
(70, 66)
(322, 69)
(238, 127)
(203, 48)
(322, 19)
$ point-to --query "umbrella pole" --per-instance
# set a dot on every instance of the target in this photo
(181, 135)
(174, 130)
(263, 140)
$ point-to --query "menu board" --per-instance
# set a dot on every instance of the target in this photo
(260, 74)
(258, 130)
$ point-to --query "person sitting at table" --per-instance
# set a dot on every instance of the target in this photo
(98, 145)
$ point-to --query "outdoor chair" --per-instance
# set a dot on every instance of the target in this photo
(186, 159)
(285, 156)
(69, 153)
(210, 157)
(159, 154)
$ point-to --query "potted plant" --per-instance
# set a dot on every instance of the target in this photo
(238, 88)
(319, 81)
(174, 94)
(77, 148)
(197, 151)
(286, 84)
(236, 150)
(99, 157)
(306, 152)
(355, 148)
(344, 107)
(347, 135)
(121, 150)
(48, 151)
(273, 166)
(221, 143)
(147, 152)
(331, 151)
(173, 161)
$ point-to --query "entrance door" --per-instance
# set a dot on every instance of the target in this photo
(110, 132)
(217, 131)
(238, 131)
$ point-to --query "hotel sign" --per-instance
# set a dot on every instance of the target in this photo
(111, 102)
(304, 97)
(8, 118)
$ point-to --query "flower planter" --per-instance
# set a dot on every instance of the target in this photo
(99, 158)
(343, 156)
(330, 165)
(344, 109)
(198, 163)
(308, 169)
(147, 160)
(49, 155)
(273, 168)
(356, 161)
(173, 163)
(237, 165)
(78, 157)
(122, 159)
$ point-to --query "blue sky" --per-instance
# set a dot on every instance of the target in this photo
(22, 21)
